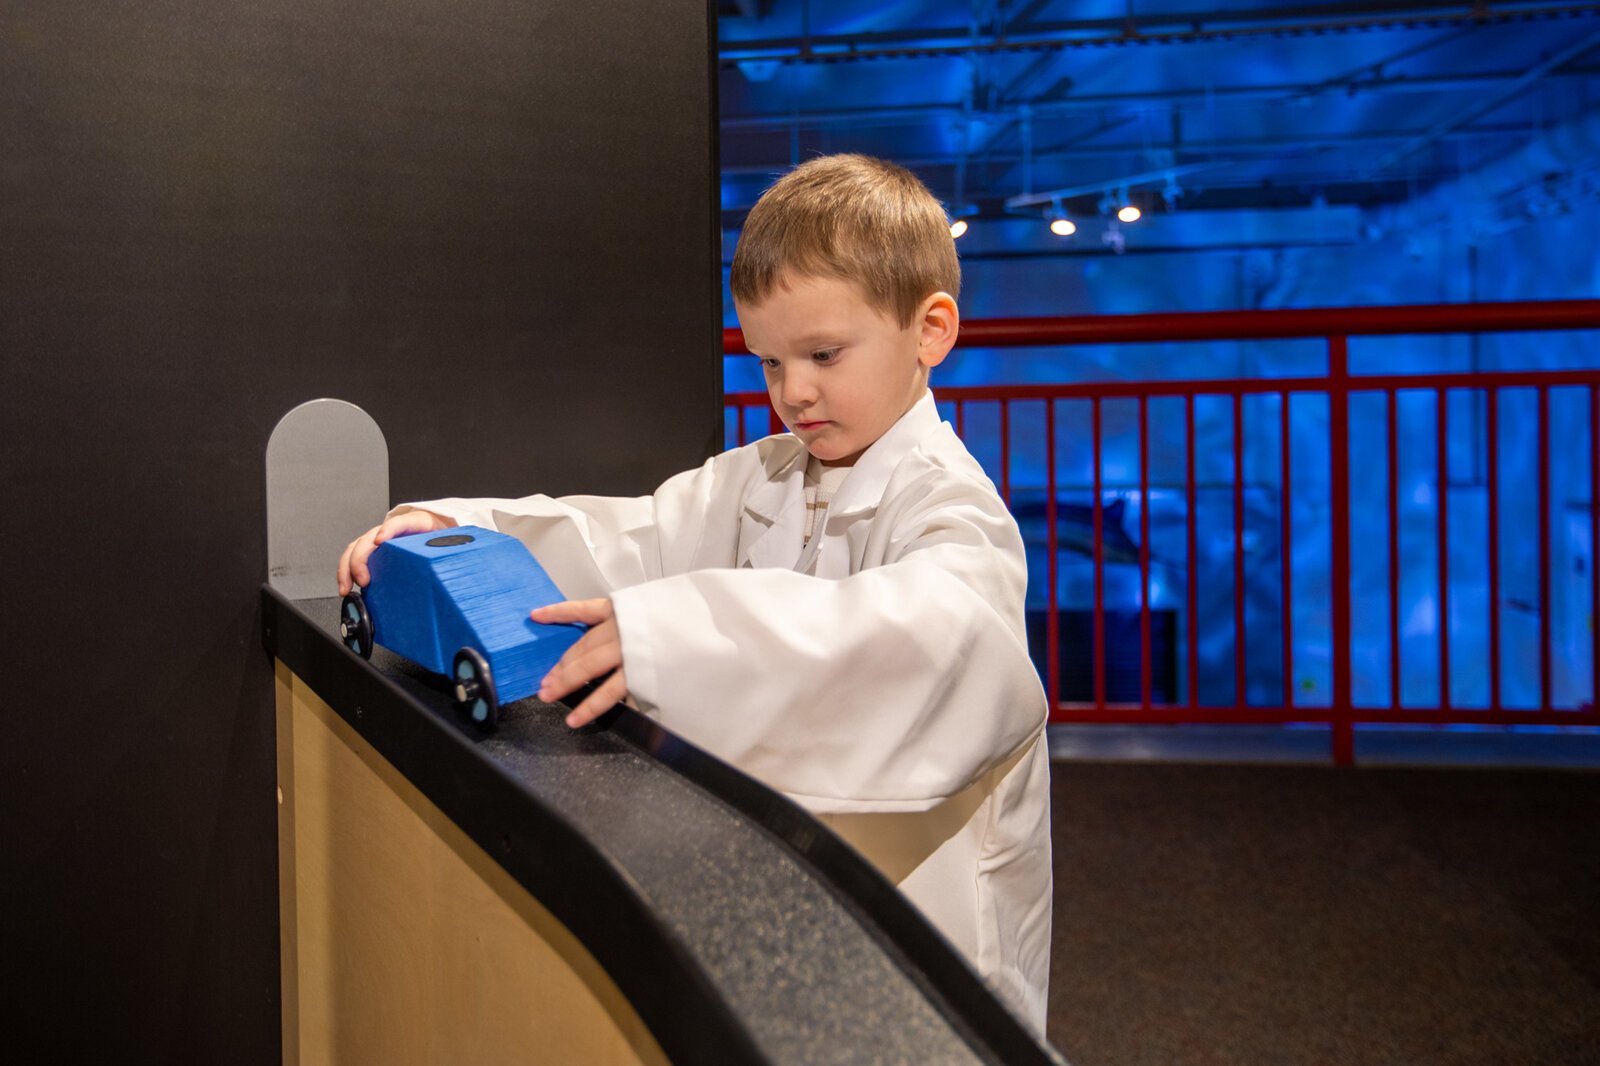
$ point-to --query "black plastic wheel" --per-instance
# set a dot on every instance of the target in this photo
(355, 624)
(475, 694)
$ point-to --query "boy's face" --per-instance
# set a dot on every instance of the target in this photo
(839, 371)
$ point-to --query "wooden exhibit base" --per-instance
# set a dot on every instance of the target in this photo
(402, 940)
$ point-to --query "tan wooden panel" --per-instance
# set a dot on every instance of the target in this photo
(403, 942)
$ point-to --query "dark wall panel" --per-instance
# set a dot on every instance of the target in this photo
(490, 224)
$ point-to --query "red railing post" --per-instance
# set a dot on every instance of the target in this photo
(1005, 451)
(1099, 568)
(1443, 458)
(1339, 454)
(1546, 697)
(1285, 550)
(1192, 561)
(1052, 565)
(1144, 552)
(1594, 547)
(1394, 549)
(1493, 446)
(1241, 696)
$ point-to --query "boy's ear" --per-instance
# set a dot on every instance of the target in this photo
(937, 324)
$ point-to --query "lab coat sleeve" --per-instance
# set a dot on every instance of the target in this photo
(888, 690)
(591, 545)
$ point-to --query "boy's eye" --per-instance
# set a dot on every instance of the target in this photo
(769, 364)
(826, 355)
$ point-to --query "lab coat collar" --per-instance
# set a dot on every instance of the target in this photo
(863, 488)
(868, 479)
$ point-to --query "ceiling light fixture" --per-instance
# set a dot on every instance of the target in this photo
(1060, 224)
(958, 218)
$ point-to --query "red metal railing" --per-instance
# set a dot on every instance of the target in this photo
(1337, 386)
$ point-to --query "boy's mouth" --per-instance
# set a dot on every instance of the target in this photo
(809, 426)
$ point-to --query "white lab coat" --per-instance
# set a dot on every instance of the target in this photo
(879, 677)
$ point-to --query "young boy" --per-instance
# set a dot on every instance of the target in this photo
(838, 611)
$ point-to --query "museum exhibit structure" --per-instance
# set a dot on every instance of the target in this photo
(536, 893)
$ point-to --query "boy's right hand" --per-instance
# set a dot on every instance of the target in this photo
(353, 563)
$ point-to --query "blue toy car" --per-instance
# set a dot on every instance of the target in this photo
(457, 603)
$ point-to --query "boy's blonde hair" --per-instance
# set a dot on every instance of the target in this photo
(855, 218)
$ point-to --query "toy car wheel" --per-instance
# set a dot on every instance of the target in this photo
(475, 694)
(355, 625)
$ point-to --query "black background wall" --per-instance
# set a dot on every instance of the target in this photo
(490, 224)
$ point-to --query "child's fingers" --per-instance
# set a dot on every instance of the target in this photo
(402, 524)
(353, 563)
(596, 653)
(609, 693)
(343, 570)
(361, 549)
(590, 612)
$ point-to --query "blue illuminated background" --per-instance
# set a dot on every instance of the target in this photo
(1283, 156)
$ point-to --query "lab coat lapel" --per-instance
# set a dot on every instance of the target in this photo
(772, 527)
(772, 530)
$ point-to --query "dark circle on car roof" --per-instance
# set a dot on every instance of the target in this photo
(450, 541)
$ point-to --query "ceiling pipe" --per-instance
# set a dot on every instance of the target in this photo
(1100, 101)
(1102, 33)
(1247, 148)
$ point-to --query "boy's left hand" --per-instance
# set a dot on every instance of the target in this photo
(596, 654)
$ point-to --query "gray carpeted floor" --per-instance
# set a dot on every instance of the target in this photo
(1289, 915)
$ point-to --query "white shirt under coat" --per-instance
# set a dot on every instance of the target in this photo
(878, 676)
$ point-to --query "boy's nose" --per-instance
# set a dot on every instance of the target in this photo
(798, 389)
